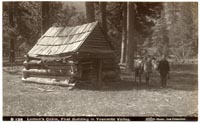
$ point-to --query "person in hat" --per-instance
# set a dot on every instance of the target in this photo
(163, 69)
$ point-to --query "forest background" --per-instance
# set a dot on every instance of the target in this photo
(134, 28)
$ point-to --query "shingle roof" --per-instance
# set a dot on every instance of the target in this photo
(59, 40)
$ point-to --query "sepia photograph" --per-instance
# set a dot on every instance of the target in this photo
(99, 61)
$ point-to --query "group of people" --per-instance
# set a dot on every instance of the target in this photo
(148, 63)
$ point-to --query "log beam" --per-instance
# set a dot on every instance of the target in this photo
(48, 81)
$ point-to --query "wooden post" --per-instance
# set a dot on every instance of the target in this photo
(99, 80)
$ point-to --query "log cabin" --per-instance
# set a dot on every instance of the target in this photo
(71, 55)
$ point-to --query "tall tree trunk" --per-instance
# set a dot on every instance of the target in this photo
(103, 15)
(45, 16)
(12, 39)
(124, 34)
(90, 11)
(130, 36)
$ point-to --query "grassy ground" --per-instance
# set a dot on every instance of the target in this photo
(123, 99)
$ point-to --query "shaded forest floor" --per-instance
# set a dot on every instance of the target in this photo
(120, 99)
(18, 61)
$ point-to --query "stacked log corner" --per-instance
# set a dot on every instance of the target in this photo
(47, 73)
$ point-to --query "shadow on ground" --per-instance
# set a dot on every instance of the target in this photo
(182, 77)
(130, 85)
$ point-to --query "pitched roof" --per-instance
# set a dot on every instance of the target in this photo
(58, 40)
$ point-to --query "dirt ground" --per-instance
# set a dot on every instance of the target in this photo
(180, 98)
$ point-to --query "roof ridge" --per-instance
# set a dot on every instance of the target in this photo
(72, 26)
(61, 44)
(67, 35)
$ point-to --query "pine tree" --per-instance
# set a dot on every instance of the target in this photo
(103, 15)
(130, 36)
(90, 11)
(45, 16)
(11, 21)
(124, 34)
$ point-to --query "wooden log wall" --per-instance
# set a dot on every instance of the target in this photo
(49, 71)
(110, 70)
(48, 81)
(88, 70)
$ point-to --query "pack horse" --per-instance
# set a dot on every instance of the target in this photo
(144, 65)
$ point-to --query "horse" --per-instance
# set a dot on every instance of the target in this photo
(138, 68)
(150, 64)
(144, 65)
(154, 63)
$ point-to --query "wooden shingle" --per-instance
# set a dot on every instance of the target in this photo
(59, 40)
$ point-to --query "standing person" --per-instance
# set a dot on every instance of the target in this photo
(163, 69)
